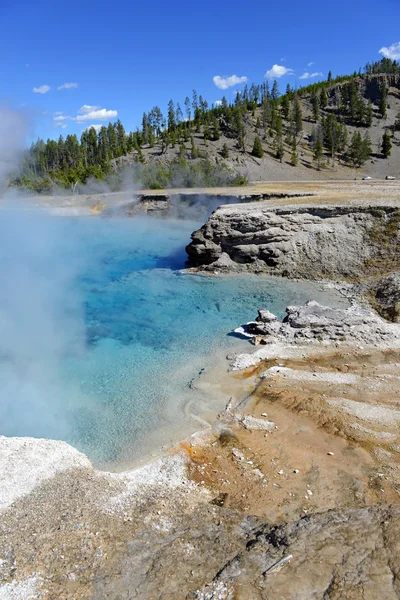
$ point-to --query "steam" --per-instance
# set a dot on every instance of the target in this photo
(41, 315)
(13, 127)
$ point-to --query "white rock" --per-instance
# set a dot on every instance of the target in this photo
(22, 590)
(254, 424)
(26, 462)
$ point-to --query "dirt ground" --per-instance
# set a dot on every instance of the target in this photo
(317, 457)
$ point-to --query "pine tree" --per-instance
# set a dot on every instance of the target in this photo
(366, 146)
(396, 126)
(323, 98)
(386, 144)
(368, 114)
(294, 158)
(266, 112)
(297, 116)
(121, 138)
(188, 109)
(383, 101)
(225, 151)
(112, 141)
(257, 148)
(285, 106)
(206, 132)
(278, 147)
(329, 76)
(193, 150)
(330, 129)
(318, 152)
(315, 105)
(275, 91)
(360, 149)
(178, 114)
(182, 152)
(171, 116)
(195, 101)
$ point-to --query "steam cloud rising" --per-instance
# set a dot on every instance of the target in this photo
(41, 317)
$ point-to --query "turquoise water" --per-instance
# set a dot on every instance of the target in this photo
(100, 332)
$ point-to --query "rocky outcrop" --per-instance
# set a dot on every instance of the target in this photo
(386, 293)
(192, 204)
(339, 554)
(313, 322)
(306, 241)
(153, 533)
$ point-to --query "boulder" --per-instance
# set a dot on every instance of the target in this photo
(265, 316)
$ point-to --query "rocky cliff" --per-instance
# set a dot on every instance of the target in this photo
(306, 241)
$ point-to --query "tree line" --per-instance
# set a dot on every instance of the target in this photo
(336, 103)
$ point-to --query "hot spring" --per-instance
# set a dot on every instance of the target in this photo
(100, 332)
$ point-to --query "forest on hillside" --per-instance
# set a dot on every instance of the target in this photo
(276, 120)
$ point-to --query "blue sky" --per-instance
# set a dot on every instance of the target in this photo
(126, 56)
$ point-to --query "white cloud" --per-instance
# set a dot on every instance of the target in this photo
(223, 83)
(218, 103)
(67, 86)
(100, 114)
(310, 64)
(61, 118)
(307, 75)
(97, 127)
(86, 109)
(43, 89)
(392, 52)
(58, 112)
(277, 71)
(62, 125)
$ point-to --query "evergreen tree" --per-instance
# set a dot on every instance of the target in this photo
(178, 114)
(215, 126)
(266, 112)
(257, 148)
(103, 144)
(297, 116)
(315, 105)
(396, 126)
(294, 158)
(188, 109)
(225, 151)
(171, 116)
(323, 98)
(278, 147)
(195, 101)
(193, 150)
(206, 132)
(92, 146)
(156, 119)
(383, 101)
(360, 149)
(121, 138)
(330, 130)
(275, 91)
(329, 76)
(386, 144)
(368, 114)
(112, 142)
(285, 106)
(318, 152)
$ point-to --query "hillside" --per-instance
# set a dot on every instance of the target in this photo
(335, 129)
(271, 168)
